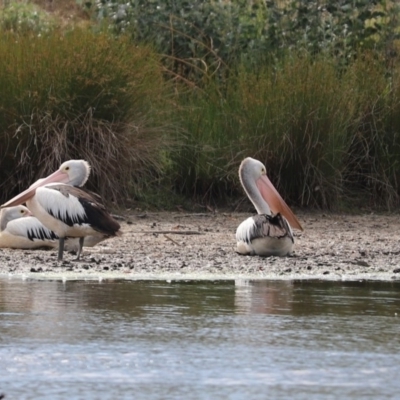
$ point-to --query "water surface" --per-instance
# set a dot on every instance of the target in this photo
(199, 339)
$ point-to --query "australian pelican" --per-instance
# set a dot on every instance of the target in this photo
(270, 232)
(19, 229)
(65, 209)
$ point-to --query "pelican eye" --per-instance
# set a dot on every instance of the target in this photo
(67, 168)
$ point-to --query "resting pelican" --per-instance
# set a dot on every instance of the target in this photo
(65, 209)
(19, 229)
(270, 232)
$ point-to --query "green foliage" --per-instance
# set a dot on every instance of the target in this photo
(22, 17)
(200, 37)
(197, 37)
(340, 28)
(311, 88)
(80, 95)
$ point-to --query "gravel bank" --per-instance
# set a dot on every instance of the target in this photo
(201, 246)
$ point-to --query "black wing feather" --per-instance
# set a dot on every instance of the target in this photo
(272, 226)
(95, 213)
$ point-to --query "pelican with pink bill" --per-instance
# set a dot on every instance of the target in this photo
(67, 210)
(269, 233)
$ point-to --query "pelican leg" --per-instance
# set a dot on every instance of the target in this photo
(60, 248)
(81, 239)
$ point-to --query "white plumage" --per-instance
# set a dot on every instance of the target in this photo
(68, 211)
(20, 230)
(269, 233)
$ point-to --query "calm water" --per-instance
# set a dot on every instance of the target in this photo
(199, 340)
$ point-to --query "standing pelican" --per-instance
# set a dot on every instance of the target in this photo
(65, 209)
(269, 233)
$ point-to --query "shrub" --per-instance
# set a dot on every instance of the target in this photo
(80, 95)
(22, 17)
(196, 37)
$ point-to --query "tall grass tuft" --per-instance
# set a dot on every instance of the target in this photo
(373, 163)
(200, 164)
(80, 95)
(295, 118)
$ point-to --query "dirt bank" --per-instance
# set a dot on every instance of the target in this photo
(338, 247)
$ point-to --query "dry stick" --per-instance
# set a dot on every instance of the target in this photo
(175, 232)
(170, 232)
(172, 240)
(194, 215)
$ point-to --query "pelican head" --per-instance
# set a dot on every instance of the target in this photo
(11, 213)
(72, 172)
(76, 172)
(261, 191)
(251, 168)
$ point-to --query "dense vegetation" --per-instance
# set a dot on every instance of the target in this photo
(165, 98)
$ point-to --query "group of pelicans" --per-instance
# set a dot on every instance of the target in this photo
(60, 213)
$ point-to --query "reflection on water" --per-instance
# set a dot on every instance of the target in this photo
(199, 339)
(267, 297)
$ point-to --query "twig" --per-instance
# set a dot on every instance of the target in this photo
(172, 240)
(175, 232)
(194, 215)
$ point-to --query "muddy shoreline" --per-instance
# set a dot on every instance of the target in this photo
(201, 246)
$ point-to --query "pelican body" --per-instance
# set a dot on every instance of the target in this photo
(68, 211)
(270, 232)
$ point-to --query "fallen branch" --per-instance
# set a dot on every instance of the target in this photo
(174, 232)
(194, 215)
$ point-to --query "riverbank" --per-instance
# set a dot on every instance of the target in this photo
(201, 246)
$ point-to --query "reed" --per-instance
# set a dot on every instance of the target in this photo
(302, 113)
(295, 119)
(372, 160)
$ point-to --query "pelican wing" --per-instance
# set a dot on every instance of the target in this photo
(58, 201)
(30, 228)
(74, 205)
(262, 226)
(271, 226)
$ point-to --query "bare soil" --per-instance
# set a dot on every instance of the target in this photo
(201, 246)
